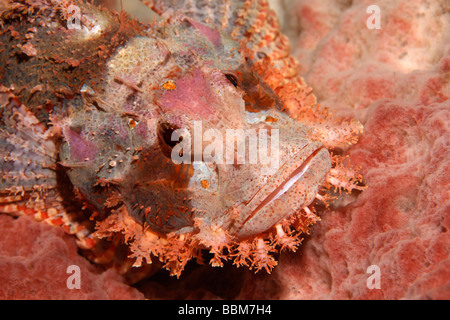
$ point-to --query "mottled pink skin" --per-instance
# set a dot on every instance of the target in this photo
(82, 149)
(34, 258)
(192, 95)
(212, 34)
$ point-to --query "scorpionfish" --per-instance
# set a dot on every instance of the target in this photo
(100, 119)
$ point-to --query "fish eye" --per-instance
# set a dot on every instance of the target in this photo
(167, 139)
(232, 79)
(165, 133)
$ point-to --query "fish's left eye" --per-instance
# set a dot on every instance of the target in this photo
(232, 79)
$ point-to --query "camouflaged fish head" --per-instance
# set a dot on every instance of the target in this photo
(201, 138)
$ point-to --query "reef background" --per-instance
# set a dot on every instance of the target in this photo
(396, 81)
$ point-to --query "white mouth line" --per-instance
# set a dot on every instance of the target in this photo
(286, 184)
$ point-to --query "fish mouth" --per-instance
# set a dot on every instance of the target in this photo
(287, 183)
(308, 167)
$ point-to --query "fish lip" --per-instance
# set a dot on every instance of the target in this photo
(290, 180)
(293, 177)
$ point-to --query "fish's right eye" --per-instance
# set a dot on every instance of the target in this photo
(166, 131)
(168, 137)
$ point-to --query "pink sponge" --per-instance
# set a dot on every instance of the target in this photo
(34, 258)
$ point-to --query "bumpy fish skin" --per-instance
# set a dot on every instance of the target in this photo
(116, 96)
